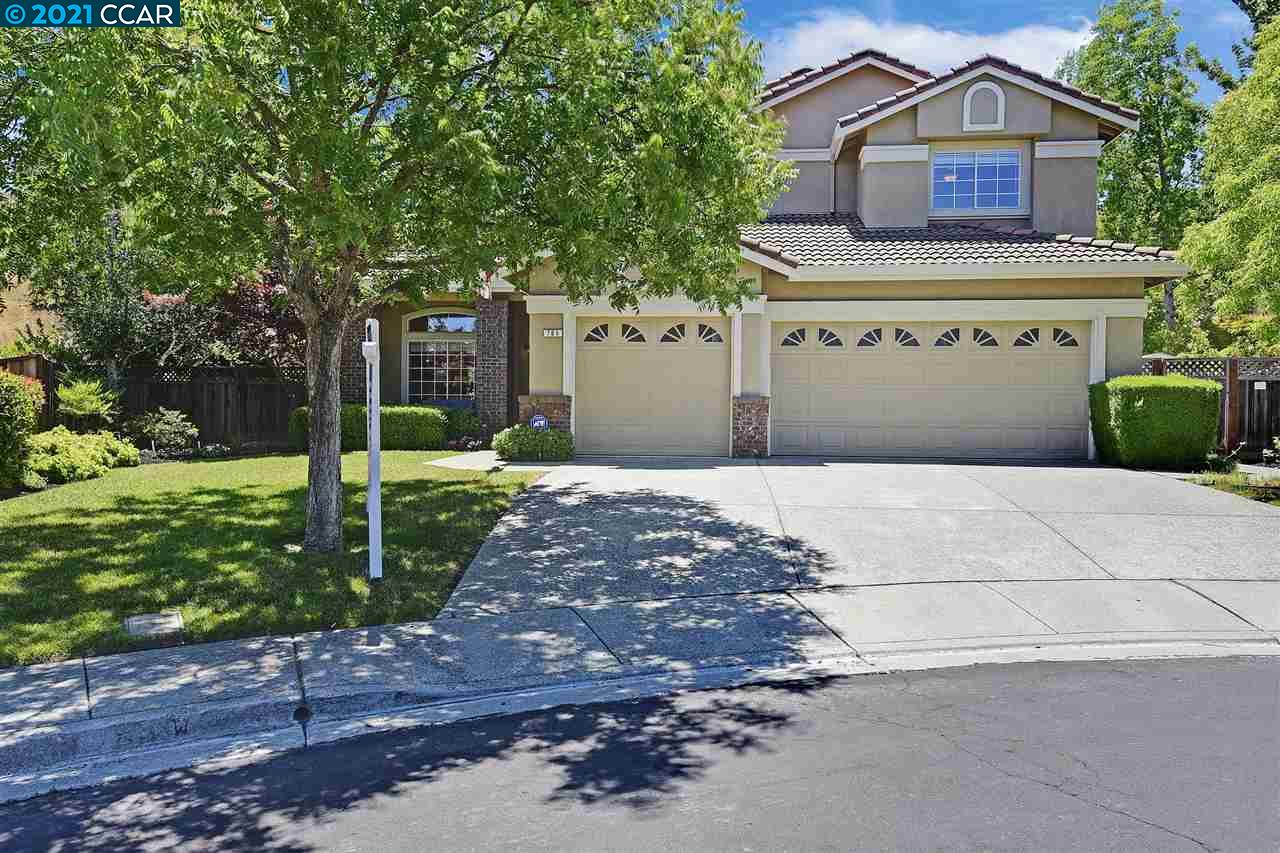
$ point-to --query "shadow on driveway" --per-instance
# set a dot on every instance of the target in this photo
(568, 545)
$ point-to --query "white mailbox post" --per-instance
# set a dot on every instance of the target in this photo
(373, 405)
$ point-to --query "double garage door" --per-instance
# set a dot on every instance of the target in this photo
(964, 389)
(1001, 390)
(653, 385)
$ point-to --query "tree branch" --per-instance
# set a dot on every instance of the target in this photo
(384, 88)
(271, 185)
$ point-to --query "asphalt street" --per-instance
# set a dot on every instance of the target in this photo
(1126, 756)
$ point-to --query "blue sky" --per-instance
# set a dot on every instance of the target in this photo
(939, 34)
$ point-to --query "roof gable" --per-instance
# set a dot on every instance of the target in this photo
(806, 79)
(1116, 114)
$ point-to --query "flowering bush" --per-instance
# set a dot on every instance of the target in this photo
(21, 399)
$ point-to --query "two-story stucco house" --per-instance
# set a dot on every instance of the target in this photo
(929, 286)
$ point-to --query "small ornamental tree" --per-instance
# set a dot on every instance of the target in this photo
(369, 149)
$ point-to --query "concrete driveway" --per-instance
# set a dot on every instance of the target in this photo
(617, 530)
(612, 530)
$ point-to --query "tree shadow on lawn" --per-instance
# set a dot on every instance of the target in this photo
(622, 755)
(70, 575)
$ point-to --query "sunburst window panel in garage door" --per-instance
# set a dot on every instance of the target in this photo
(660, 389)
(963, 397)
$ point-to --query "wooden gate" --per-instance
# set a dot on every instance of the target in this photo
(1259, 390)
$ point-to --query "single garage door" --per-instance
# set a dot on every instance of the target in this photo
(653, 386)
(979, 390)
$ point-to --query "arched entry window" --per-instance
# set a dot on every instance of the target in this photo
(439, 364)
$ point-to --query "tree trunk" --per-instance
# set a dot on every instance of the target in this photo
(324, 464)
(1170, 309)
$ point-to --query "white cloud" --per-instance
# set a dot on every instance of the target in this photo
(1232, 19)
(828, 34)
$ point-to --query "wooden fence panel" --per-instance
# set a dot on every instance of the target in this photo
(234, 406)
(1260, 413)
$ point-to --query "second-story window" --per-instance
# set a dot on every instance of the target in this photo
(971, 181)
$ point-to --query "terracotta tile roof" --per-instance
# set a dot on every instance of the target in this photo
(801, 76)
(986, 59)
(842, 240)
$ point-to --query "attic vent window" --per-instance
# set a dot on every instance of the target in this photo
(984, 107)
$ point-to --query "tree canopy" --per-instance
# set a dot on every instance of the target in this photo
(1148, 179)
(367, 150)
(1260, 13)
(1240, 246)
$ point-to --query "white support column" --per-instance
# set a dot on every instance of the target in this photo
(766, 375)
(1097, 367)
(735, 368)
(569, 379)
(766, 346)
(735, 374)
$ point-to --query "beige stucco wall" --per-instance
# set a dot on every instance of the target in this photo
(811, 117)
(18, 313)
(779, 289)
(1124, 346)
(1065, 195)
(894, 194)
(1025, 112)
(546, 355)
(1071, 123)
(847, 179)
(898, 129)
(809, 191)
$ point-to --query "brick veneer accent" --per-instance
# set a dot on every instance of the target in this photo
(351, 371)
(492, 367)
(751, 426)
(558, 409)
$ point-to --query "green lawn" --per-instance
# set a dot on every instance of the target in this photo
(1240, 484)
(219, 539)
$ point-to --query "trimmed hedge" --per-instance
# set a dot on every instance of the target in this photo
(20, 402)
(462, 423)
(62, 456)
(403, 427)
(1155, 421)
(523, 443)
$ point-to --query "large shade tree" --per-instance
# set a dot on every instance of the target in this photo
(371, 149)
(1148, 179)
(1239, 248)
(1260, 13)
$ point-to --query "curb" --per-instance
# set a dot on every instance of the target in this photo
(230, 734)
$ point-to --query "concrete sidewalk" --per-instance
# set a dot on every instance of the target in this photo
(80, 721)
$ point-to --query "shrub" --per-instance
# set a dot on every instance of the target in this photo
(20, 402)
(164, 430)
(1155, 421)
(523, 443)
(299, 422)
(403, 427)
(87, 403)
(62, 456)
(462, 423)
